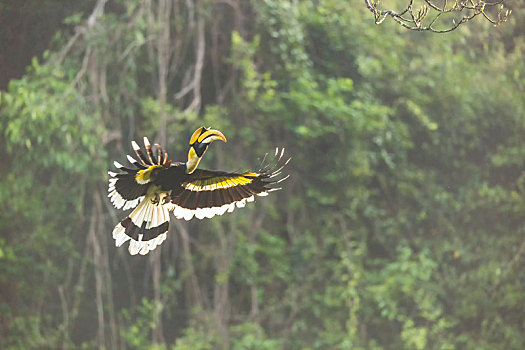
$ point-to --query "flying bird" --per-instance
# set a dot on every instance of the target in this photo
(156, 186)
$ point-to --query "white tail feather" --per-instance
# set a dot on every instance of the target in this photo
(154, 215)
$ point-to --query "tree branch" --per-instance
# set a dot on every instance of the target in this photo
(430, 12)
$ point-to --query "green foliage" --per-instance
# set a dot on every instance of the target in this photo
(53, 141)
(401, 226)
(137, 334)
(251, 336)
(245, 336)
(50, 123)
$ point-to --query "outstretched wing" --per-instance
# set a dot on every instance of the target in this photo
(147, 225)
(206, 193)
(128, 187)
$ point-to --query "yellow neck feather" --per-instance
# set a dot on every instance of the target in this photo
(193, 161)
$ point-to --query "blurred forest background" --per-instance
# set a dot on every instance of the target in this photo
(402, 225)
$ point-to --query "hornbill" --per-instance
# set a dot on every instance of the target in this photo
(155, 185)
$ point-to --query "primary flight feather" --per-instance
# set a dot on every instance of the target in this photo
(155, 185)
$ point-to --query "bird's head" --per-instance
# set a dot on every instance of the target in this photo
(199, 142)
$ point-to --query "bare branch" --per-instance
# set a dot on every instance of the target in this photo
(195, 296)
(92, 20)
(426, 17)
(199, 64)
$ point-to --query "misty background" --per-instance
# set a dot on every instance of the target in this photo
(402, 224)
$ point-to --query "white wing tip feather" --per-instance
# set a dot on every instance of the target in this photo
(131, 159)
(202, 213)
